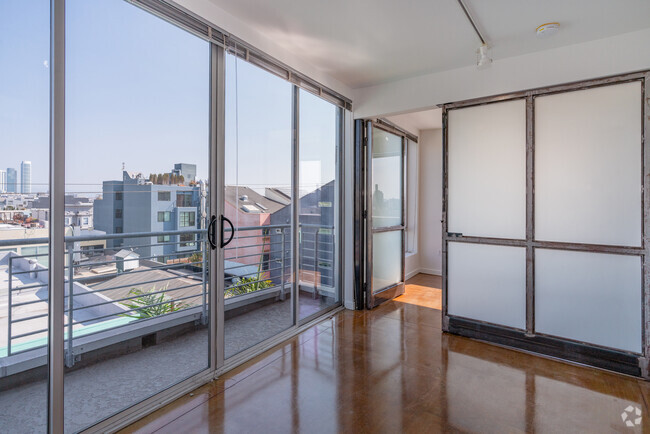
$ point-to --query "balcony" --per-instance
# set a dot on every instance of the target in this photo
(131, 318)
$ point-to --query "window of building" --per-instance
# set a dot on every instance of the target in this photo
(118, 230)
(186, 240)
(85, 220)
(187, 218)
(164, 216)
(163, 238)
(118, 213)
(118, 195)
(164, 196)
(184, 198)
(68, 221)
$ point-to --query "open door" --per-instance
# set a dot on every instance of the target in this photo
(384, 213)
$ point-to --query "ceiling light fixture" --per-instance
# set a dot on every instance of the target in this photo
(547, 30)
(483, 59)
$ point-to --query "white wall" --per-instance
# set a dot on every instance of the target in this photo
(619, 54)
(430, 202)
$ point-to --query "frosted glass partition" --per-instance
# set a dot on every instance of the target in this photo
(387, 188)
(487, 283)
(386, 259)
(589, 297)
(588, 166)
(487, 170)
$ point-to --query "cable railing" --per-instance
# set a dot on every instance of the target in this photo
(129, 280)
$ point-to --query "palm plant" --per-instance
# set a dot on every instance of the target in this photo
(149, 304)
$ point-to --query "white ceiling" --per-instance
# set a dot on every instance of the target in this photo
(416, 121)
(367, 42)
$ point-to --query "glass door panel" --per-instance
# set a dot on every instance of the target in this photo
(258, 198)
(385, 187)
(319, 206)
(137, 122)
(24, 236)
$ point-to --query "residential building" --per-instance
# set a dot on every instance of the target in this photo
(26, 177)
(12, 180)
(78, 211)
(133, 204)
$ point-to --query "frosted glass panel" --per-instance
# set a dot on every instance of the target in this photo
(589, 297)
(386, 259)
(588, 166)
(487, 170)
(387, 182)
(487, 283)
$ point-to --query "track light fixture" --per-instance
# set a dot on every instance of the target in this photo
(483, 60)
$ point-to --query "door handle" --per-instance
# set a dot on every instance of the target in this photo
(232, 231)
(211, 232)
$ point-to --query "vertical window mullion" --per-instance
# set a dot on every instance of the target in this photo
(56, 308)
(295, 201)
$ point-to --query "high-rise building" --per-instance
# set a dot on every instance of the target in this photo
(26, 177)
(12, 180)
(3, 181)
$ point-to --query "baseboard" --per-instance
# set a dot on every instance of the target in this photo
(412, 273)
(432, 271)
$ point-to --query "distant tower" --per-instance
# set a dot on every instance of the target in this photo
(26, 177)
(123, 166)
(3, 181)
(12, 180)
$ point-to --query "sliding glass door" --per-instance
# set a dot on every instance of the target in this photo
(258, 202)
(137, 147)
(281, 206)
(24, 239)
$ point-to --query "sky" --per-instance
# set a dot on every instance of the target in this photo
(137, 92)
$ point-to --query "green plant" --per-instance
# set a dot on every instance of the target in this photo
(246, 285)
(250, 284)
(150, 305)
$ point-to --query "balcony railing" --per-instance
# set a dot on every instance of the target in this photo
(106, 292)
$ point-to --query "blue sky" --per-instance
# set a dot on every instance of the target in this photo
(137, 93)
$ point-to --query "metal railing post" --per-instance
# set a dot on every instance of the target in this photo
(69, 357)
(282, 268)
(316, 263)
(10, 284)
(204, 295)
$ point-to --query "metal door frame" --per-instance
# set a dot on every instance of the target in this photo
(627, 362)
(374, 299)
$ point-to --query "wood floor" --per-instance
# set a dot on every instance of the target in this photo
(392, 370)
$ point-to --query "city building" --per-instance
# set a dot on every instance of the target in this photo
(134, 204)
(3, 181)
(12, 180)
(26, 177)
(78, 211)
(187, 171)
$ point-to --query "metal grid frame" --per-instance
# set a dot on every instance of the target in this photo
(577, 351)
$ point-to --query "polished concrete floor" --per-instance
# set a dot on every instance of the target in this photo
(393, 370)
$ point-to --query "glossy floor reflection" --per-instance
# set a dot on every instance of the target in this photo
(392, 370)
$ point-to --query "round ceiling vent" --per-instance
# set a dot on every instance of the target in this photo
(547, 30)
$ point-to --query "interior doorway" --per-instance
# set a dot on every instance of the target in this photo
(409, 267)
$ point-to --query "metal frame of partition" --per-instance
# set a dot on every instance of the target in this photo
(363, 218)
(216, 306)
(529, 340)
